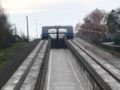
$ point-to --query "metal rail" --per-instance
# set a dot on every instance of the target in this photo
(41, 81)
(21, 81)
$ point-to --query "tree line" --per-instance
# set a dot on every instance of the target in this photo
(5, 28)
(100, 26)
(7, 38)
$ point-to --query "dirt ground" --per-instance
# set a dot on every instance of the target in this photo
(15, 60)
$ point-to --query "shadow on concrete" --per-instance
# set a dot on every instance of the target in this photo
(58, 43)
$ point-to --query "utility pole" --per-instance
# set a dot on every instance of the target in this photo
(36, 30)
(27, 28)
(15, 30)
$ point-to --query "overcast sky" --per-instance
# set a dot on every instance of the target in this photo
(52, 12)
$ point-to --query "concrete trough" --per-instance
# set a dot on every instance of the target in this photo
(99, 78)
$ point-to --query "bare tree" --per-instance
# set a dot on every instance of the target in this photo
(94, 19)
(94, 25)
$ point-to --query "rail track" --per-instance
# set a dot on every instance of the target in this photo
(31, 70)
(106, 76)
(108, 67)
(34, 71)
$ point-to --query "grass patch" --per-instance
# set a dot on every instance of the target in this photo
(6, 53)
(11, 58)
(14, 52)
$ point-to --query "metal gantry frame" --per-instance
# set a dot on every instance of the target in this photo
(69, 34)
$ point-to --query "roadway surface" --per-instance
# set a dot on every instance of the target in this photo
(64, 71)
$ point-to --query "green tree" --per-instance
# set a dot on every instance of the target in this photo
(113, 21)
(117, 39)
(5, 27)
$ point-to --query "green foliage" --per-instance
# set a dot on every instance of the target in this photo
(5, 27)
(6, 53)
(113, 21)
(117, 39)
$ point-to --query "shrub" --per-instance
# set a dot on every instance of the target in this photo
(24, 37)
(117, 39)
